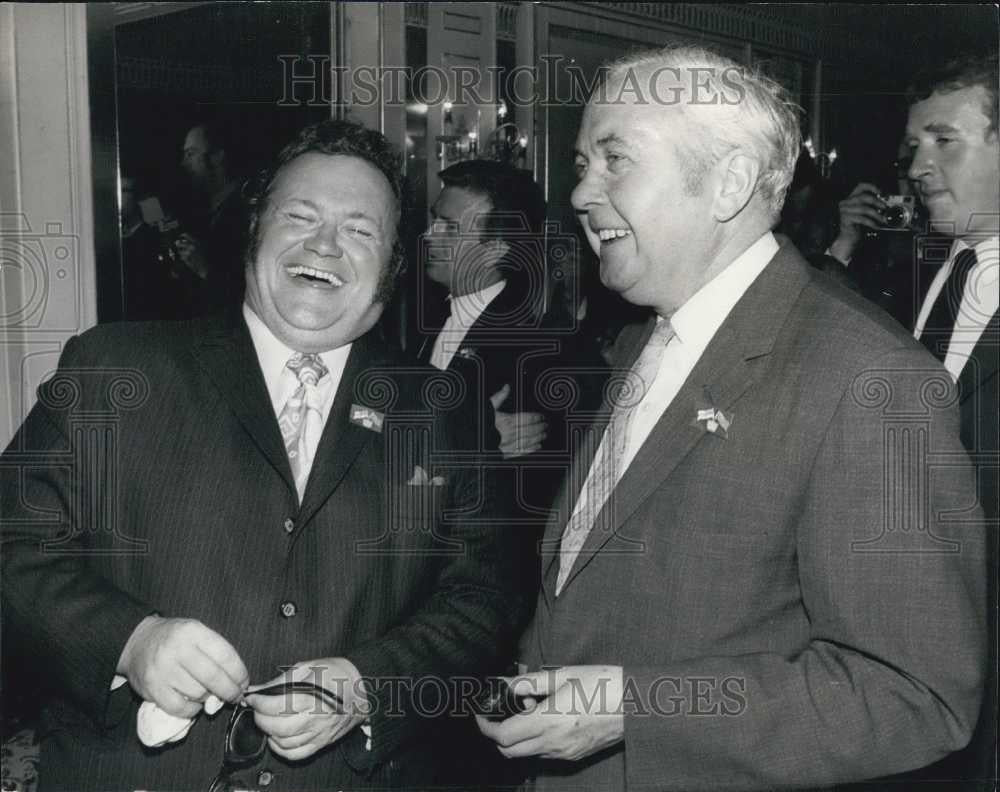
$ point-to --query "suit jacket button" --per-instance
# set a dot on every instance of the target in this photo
(288, 609)
(264, 778)
(289, 525)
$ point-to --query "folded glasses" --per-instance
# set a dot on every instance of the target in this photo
(246, 743)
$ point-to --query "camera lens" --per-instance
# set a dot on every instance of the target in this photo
(896, 217)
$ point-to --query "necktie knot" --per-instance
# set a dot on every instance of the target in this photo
(309, 369)
(662, 333)
(632, 389)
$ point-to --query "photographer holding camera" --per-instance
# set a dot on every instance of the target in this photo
(877, 242)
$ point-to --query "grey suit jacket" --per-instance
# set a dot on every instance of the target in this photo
(801, 602)
(151, 476)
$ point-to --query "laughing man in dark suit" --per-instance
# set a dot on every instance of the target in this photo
(276, 491)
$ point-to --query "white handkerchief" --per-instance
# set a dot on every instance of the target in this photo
(156, 728)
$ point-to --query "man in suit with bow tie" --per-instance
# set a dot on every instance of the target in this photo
(194, 507)
(952, 136)
(766, 568)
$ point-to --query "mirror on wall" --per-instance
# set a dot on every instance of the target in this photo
(202, 95)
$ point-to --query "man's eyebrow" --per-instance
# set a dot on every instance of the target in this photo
(359, 214)
(304, 201)
(609, 139)
(940, 127)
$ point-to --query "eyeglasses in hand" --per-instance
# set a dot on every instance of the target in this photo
(246, 743)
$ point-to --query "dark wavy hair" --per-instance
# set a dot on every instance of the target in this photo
(966, 71)
(336, 138)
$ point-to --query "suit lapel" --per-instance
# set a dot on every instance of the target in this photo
(226, 354)
(628, 346)
(342, 439)
(506, 313)
(734, 359)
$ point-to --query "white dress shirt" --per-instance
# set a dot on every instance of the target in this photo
(980, 300)
(694, 324)
(280, 380)
(465, 310)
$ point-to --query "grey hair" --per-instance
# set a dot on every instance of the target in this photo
(750, 111)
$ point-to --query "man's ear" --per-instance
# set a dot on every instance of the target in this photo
(737, 181)
(498, 249)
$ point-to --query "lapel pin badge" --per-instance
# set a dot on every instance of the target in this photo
(715, 421)
(367, 417)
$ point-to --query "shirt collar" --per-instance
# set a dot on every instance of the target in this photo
(272, 355)
(983, 247)
(700, 317)
(467, 308)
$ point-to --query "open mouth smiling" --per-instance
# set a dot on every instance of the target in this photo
(314, 276)
(610, 235)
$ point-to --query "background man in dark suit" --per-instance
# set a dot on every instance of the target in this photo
(739, 590)
(214, 243)
(953, 139)
(272, 494)
(485, 247)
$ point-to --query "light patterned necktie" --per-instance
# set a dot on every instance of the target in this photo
(606, 468)
(301, 419)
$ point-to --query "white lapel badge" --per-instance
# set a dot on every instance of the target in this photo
(367, 417)
(419, 479)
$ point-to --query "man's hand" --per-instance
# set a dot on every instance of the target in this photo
(300, 724)
(572, 713)
(520, 433)
(177, 663)
(189, 251)
(860, 210)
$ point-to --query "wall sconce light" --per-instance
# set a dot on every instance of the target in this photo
(456, 143)
(508, 144)
(823, 159)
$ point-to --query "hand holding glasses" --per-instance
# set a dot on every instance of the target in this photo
(245, 743)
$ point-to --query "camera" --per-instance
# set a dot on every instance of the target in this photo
(898, 212)
(170, 233)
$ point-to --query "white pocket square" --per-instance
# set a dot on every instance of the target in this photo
(419, 479)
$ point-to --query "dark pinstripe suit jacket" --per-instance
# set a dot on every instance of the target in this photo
(802, 602)
(151, 476)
